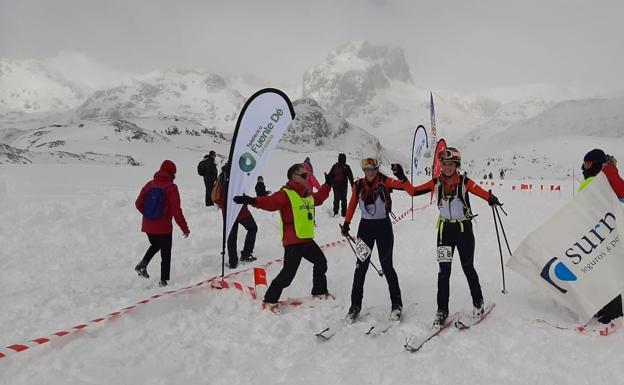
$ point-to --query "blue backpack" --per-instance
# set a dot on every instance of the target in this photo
(154, 204)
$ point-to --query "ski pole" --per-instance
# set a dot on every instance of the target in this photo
(502, 228)
(350, 240)
(500, 250)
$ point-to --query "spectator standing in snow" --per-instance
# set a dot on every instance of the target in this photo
(296, 205)
(208, 169)
(261, 188)
(594, 162)
(159, 230)
(311, 181)
(341, 174)
(244, 218)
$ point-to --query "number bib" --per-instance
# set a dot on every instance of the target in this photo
(362, 250)
(445, 253)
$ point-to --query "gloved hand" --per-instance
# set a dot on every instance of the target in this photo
(398, 172)
(344, 229)
(244, 200)
(329, 178)
(493, 200)
(611, 160)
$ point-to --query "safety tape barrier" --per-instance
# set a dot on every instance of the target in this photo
(216, 282)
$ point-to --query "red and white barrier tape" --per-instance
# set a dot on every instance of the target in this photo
(215, 282)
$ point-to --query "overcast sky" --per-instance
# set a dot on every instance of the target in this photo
(463, 45)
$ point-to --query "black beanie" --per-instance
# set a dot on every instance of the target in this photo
(595, 155)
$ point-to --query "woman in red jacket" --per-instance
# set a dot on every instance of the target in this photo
(159, 202)
(295, 203)
(454, 227)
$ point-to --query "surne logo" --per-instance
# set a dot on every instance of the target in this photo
(557, 273)
(591, 240)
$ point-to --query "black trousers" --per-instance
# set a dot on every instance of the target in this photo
(611, 311)
(292, 258)
(250, 239)
(453, 236)
(340, 198)
(162, 243)
(380, 231)
(209, 185)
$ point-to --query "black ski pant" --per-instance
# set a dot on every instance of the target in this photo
(611, 311)
(162, 243)
(292, 258)
(340, 198)
(380, 231)
(250, 239)
(458, 235)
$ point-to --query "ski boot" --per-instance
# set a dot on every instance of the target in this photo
(440, 319)
(395, 313)
(247, 258)
(477, 310)
(353, 314)
(142, 271)
(162, 283)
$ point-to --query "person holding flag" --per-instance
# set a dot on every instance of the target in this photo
(372, 194)
(296, 204)
(594, 162)
(454, 226)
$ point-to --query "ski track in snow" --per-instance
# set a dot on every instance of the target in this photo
(70, 240)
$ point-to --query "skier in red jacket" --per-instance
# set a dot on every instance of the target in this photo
(159, 230)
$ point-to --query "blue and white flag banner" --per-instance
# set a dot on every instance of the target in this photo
(577, 256)
(261, 124)
(419, 148)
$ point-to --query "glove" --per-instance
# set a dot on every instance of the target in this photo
(493, 200)
(244, 200)
(344, 229)
(397, 169)
(611, 160)
(329, 178)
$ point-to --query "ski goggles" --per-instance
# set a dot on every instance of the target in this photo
(304, 175)
(369, 164)
(446, 154)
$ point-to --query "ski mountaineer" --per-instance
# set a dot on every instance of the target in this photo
(454, 227)
(295, 203)
(371, 193)
(342, 174)
(595, 161)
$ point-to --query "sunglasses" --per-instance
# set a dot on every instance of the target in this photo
(370, 164)
(587, 165)
(304, 175)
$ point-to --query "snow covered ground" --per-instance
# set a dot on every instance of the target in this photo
(70, 240)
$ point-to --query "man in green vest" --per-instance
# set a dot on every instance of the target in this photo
(296, 205)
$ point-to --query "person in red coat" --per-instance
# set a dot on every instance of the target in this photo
(159, 231)
(296, 203)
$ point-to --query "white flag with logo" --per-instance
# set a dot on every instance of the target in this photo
(419, 148)
(261, 124)
(577, 256)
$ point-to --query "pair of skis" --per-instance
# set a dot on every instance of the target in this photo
(460, 320)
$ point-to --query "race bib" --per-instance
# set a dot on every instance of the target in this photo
(362, 251)
(445, 253)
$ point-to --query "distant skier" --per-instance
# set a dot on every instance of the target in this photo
(454, 228)
(595, 161)
(159, 202)
(261, 188)
(311, 182)
(342, 174)
(372, 195)
(208, 169)
(296, 204)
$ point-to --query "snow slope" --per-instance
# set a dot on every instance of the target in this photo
(71, 239)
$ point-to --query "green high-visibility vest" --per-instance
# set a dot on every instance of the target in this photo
(303, 214)
(586, 183)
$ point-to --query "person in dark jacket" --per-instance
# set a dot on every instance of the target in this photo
(342, 174)
(594, 162)
(261, 188)
(245, 219)
(159, 231)
(296, 204)
(208, 169)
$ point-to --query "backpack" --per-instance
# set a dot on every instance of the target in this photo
(460, 192)
(155, 201)
(361, 186)
(201, 167)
